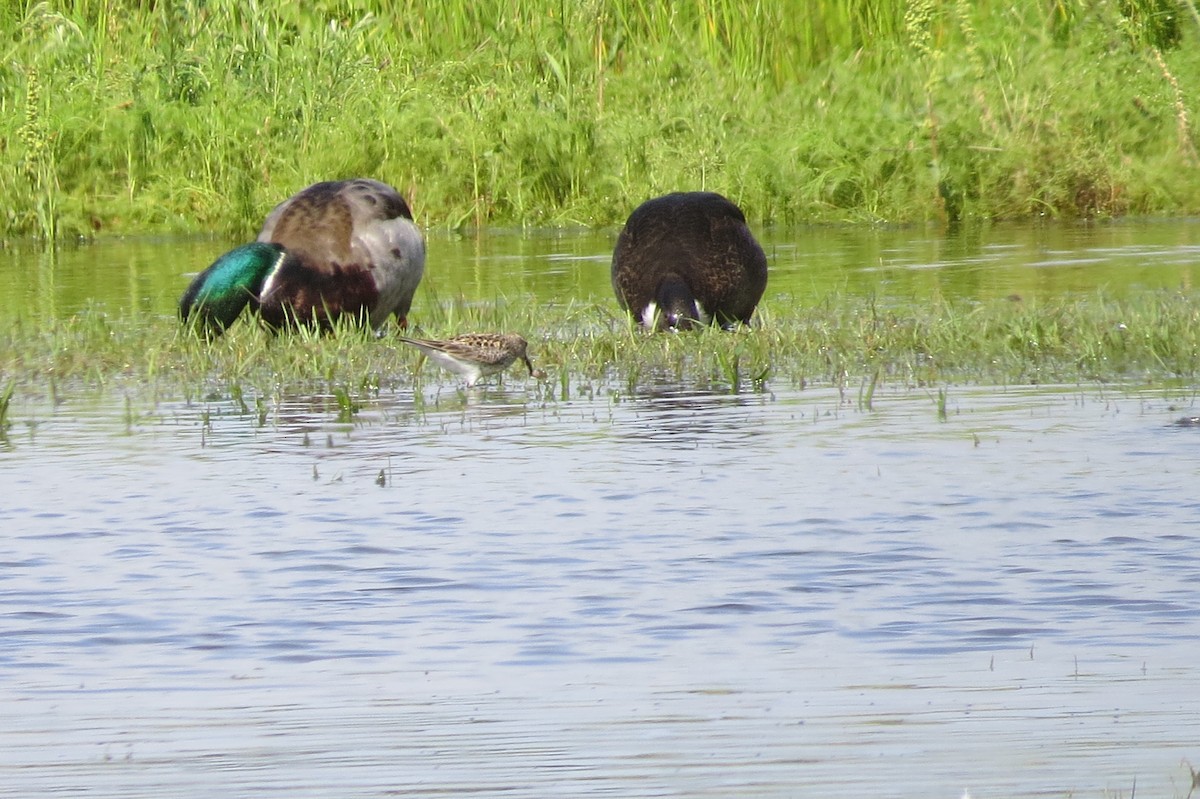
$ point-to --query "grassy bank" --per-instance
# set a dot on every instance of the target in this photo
(193, 115)
(589, 350)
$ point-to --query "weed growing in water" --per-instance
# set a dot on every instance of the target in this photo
(587, 350)
(5, 401)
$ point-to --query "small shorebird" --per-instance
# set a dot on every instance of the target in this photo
(341, 248)
(688, 259)
(476, 355)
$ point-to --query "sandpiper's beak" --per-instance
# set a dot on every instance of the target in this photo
(538, 373)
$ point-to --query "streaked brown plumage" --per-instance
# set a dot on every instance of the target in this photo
(476, 355)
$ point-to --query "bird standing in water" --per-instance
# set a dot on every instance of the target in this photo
(337, 249)
(688, 258)
(476, 355)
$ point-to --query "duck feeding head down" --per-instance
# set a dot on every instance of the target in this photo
(688, 259)
(674, 306)
(340, 249)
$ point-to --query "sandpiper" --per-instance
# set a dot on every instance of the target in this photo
(476, 355)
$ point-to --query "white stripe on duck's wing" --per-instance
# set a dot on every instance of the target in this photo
(216, 297)
(650, 315)
(299, 295)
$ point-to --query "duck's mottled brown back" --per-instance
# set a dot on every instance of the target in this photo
(318, 225)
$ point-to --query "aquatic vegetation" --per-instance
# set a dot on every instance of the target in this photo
(586, 349)
(5, 401)
(198, 115)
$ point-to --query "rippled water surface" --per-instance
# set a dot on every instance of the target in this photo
(670, 593)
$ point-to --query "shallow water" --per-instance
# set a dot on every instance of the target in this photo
(673, 593)
(808, 266)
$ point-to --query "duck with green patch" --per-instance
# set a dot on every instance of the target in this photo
(337, 249)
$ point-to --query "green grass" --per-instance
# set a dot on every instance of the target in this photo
(199, 116)
(588, 349)
(5, 401)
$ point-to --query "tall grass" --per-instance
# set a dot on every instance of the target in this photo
(201, 114)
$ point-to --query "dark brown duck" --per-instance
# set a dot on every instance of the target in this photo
(688, 258)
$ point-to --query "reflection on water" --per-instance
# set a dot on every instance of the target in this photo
(665, 593)
(808, 265)
(674, 593)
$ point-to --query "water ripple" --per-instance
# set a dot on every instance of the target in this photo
(802, 600)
